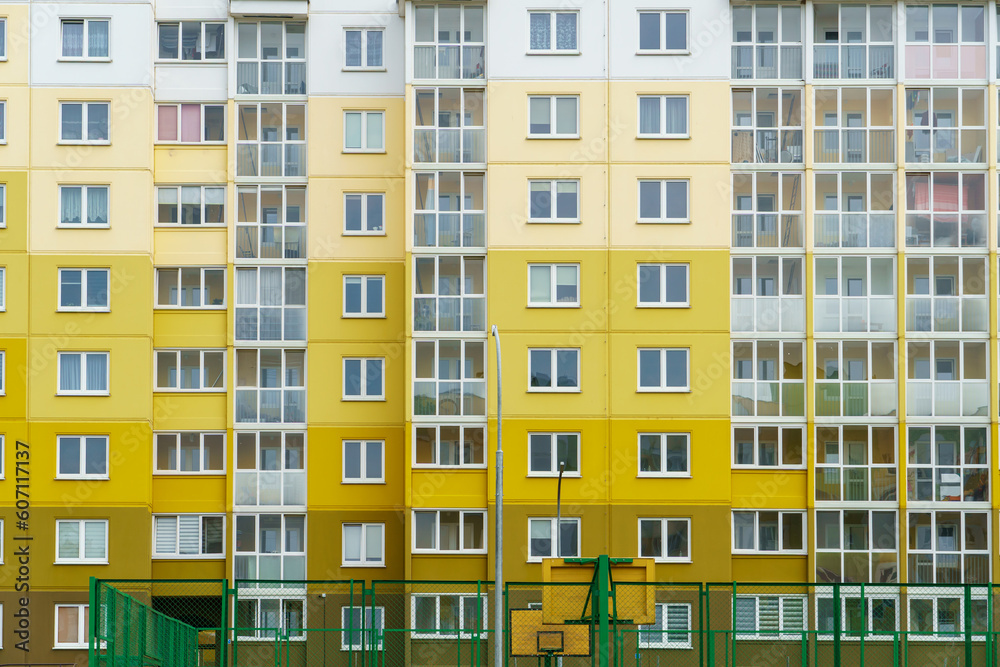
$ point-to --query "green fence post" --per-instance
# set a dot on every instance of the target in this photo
(864, 623)
(701, 627)
(224, 626)
(968, 624)
(603, 643)
(236, 621)
(837, 611)
(94, 624)
(708, 627)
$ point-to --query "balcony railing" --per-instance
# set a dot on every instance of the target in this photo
(855, 230)
(771, 61)
(773, 399)
(457, 146)
(940, 314)
(852, 146)
(271, 406)
(771, 146)
(765, 233)
(450, 61)
(855, 399)
(449, 230)
(786, 314)
(269, 487)
(271, 324)
(853, 61)
(876, 314)
(965, 398)
(449, 314)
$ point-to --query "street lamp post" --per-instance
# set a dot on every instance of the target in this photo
(498, 615)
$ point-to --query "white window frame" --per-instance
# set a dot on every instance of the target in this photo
(202, 58)
(462, 430)
(295, 634)
(3, 118)
(364, 561)
(877, 402)
(83, 457)
(664, 631)
(756, 227)
(252, 315)
(84, 131)
(283, 552)
(364, 66)
(551, 521)
(285, 86)
(3, 200)
(783, 633)
(84, 286)
(3, 55)
(663, 134)
(83, 354)
(553, 117)
(287, 482)
(553, 437)
(3, 384)
(748, 390)
(553, 270)
(431, 211)
(86, 21)
(1, 563)
(663, 50)
(438, 633)
(663, 218)
(365, 230)
(554, 386)
(180, 281)
(364, 147)
(664, 531)
(365, 279)
(288, 155)
(201, 453)
(853, 594)
(663, 387)
(938, 134)
(664, 471)
(439, 308)
(934, 470)
(82, 629)
(779, 443)
(293, 367)
(747, 127)
(294, 238)
(364, 478)
(960, 549)
(179, 191)
(202, 128)
(369, 639)
(84, 197)
(3, 453)
(940, 311)
(362, 394)
(3, 299)
(553, 186)
(661, 270)
(437, 532)
(915, 592)
(841, 549)
(471, 353)
(80, 559)
(839, 468)
(553, 49)
(176, 555)
(178, 352)
(781, 549)
(964, 216)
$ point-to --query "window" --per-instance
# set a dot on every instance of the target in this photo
(362, 633)
(664, 455)
(3, 377)
(83, 289)
(450, 210)
(769, 617)
(191, 287)
(364, 296)
(81, 541)
(458, 531)
(554, 285)
(2, 454)
(188, 536)
(263, 618)
(874, 616)
(83, 206)
(853, 41)
(768, 446)
(191, 41)
(665, 540)
(946, 210)
(271, 58)
(855, 379)
(3, 39)
(554, 201)
(554, 369)
(1, 563)
(84, 122)
(547, 451)
(553, 32)
(191, 205)
(939, 616)
(364, 131)
(3, 121)
(82, 457)
(270, 469)
(672, 628)
(552, 116)
(449, 446)
(768, 210)
(946, 293)
(449, 378)
(191, 370)
(444, 616)
(855, 209)
(364, 379)
(855, 294)
(767, 294)
(85, 39)
(449, 293)
(762, 531)
(270, 303)
(72, 625)
(83, 373)
(856, 546)
(949, 547)
(541, 539)
(945, 41)
(364, 545)
(449, 126)
(663, 32)
(3, 205)
(663, 286)
(449, 42)
(664, 201)
(948, 463)
(856, 463)
(269, 546)
(663, 117)
(947, 378)
(363, 48)
(767, 42)
(663, 369)
(270, 222)
(190, 453)
(270, 386)
(855, 125)
(364, 213)
(946, 125)
(364, 461)
(767, 126)
(271, 140)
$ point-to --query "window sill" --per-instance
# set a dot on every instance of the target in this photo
(363, 316)
(177, 225)
(214, 309)
(746, 468)
(365, 565)
(179, 61)
(685, 221)
(362, 399)
(191, 143)
(466, 552)
(663, 390)
(188, 557)
(554, 52)
(470, 468)
(77, 478)
(188, 473)
(562, 137)
(83, 310)
(790, 554)
(80, 225)
(76, 394)
(663, 52)
(357, 482)
(168, 390)
(553, 475)
(361, 151)
(553, 305)
(81, 562)
(536, 221)
(665, 136)
(377, 233)
(668, 561)
(546, 390)
(364, 69)
(68, 142)
(664, 475)
(70, 647)
(82, 59)
(661, 306)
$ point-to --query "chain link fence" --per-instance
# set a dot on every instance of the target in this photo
(215, 623)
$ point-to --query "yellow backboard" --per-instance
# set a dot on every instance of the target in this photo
(530, 636)
(635, 604)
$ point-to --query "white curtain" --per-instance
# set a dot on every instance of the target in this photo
(165, 538)
(246, 287)
(373, 543)
(69, 539)
(270, 286)
(97, 206)
(649, 115)
(353, 48)
(97, 38)
(93, 539)
(352, 543)
(69, 372)
(97, 372)
(72, 39)
(676, 115)
(72, 198)
(540, 31)
(374, 48)
(566, 31)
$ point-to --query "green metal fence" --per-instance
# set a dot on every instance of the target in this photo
(217, 623)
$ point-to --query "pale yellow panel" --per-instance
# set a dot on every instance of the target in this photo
(326, 221)
(191, 164)
(14, 152)
(190, 247)
(15, 70)
(326, 138)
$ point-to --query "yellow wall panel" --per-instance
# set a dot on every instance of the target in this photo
(329, 132)
(19, 29)
(190, 493)
(18, 112)
(326, 385)
(176, 411)
(190, 247)
(192, 164)
(771, 568)
(325, 467)
(326, 285)
(190, 328)
(14, 317)
(14, 237)
(327, 238)
(771, 489)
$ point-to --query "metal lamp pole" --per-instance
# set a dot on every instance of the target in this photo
(562, 466)
(498, 615)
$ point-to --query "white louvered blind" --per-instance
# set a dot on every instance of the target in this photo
(93, 540)
(678, 624)
(189, 535)
(768, 610)
(166, 535)
(793, 615)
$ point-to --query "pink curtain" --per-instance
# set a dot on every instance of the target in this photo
(166, 115)
(191, 123)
